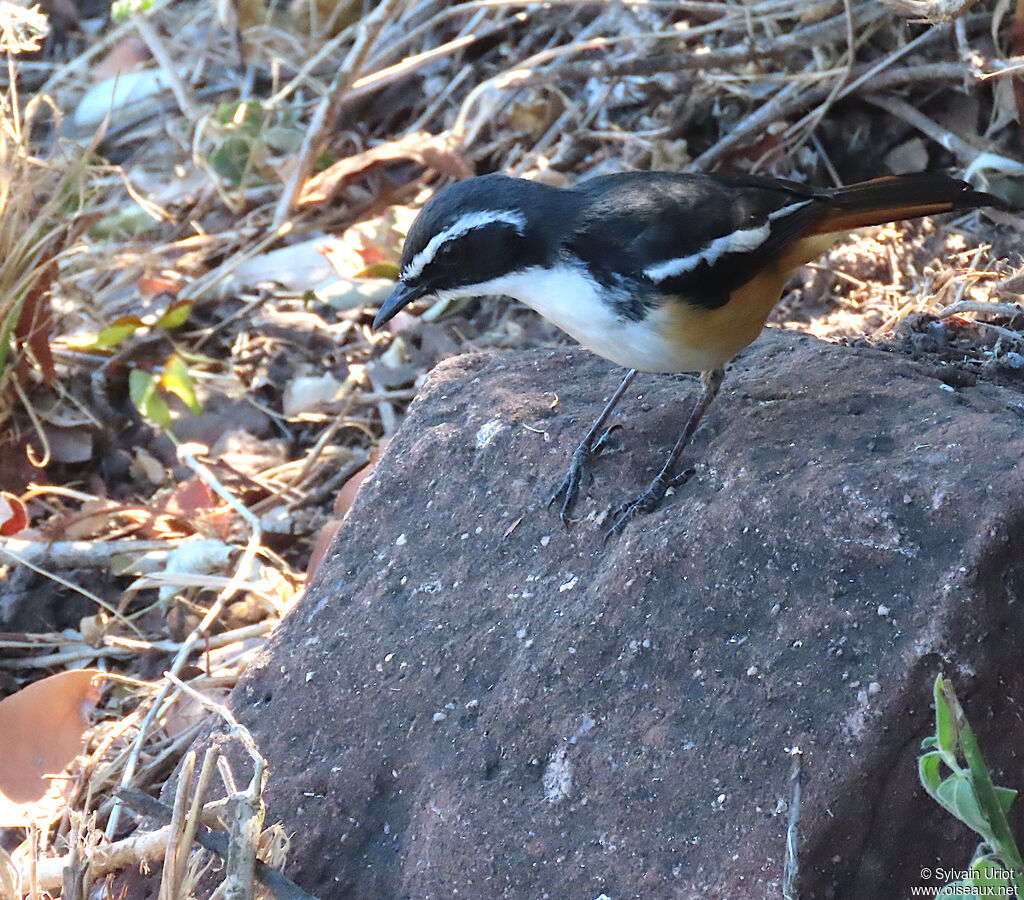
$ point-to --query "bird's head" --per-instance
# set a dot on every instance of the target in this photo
(470, 235)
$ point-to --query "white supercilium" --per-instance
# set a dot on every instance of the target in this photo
(479, 219)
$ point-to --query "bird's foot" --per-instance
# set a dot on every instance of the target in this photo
(647, 502)
(568, 491)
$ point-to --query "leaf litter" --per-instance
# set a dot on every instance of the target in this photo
(201, 207)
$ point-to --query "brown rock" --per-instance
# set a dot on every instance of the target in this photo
(471, 702)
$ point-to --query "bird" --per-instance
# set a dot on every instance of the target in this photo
(655, 271)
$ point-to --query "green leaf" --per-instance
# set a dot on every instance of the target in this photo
(250, 118)
(178, 381)
(177, 315)
(928, 770)
(282, 139)
(957, 795)
(945, 731)
(123, 223)
(988, 872)
(930, 742)
(117, 331)
(246, 117)
(1006, 796)
(231, 159)
(379, 270)
(122, 9)
(969, 794)
(142, 387)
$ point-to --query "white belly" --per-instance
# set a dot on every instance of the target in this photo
(571, 301)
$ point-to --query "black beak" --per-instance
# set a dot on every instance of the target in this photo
(400, 297)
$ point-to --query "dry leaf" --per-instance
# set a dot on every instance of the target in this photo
(188, 711)
(13, 515)
(162, 283)
(35, 323)
(198, 558)
(347, 495)
(42, 727)
(440, 152)
(189, 497)
(124, 95)
(93, 518)
(145, 466)
(15, 469)
(309, 393)
(931, 11)
(320, 548)
(297, 267)
(69, 445)
(125, 56)
(910, 156)
(342, 504)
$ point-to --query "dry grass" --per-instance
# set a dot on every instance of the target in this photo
(43, 199)
(287, 126)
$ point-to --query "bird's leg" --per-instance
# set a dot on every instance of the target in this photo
(710, 382)
(570, 486)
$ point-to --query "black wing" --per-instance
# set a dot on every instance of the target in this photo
(694, 236)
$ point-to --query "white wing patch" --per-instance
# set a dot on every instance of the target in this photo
(459, 227)
(741, 241)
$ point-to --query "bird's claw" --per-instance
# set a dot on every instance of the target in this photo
(603, 439)
(682, 477)
(623, 514)
(569, 489)
(647, 502)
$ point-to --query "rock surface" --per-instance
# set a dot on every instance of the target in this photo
(472, 702)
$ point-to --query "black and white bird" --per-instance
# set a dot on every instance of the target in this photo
(654, 271)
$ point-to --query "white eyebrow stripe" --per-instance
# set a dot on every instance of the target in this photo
(466, 223)
(741, 241)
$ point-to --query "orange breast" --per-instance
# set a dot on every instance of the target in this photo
(723, 332)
